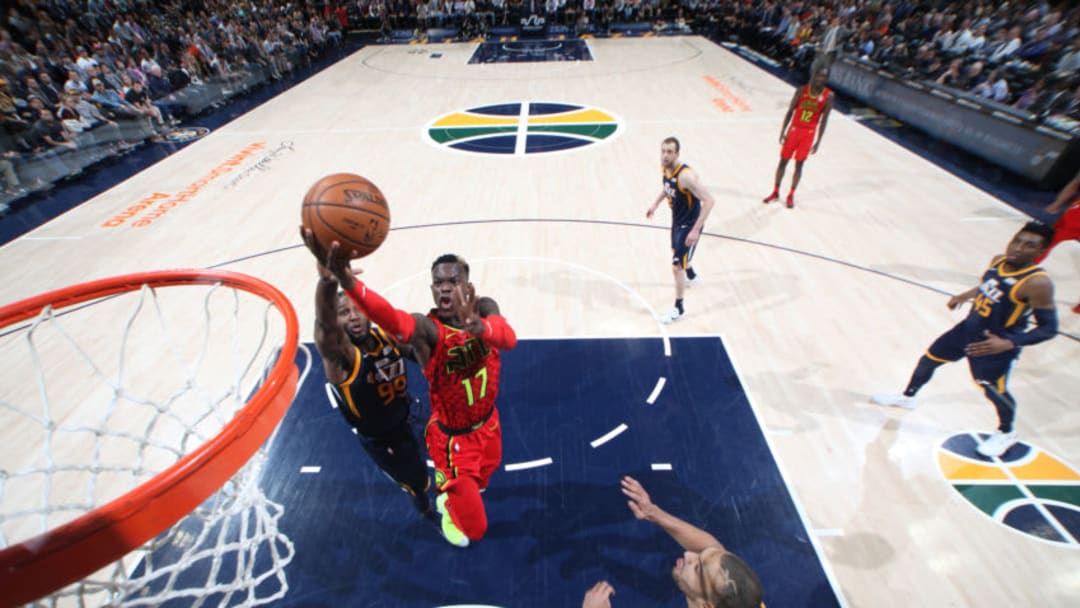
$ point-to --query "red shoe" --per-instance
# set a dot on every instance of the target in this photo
(775, 196)
(1076, 309)
(790, 201)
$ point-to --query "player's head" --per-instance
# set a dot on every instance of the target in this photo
(669, 152)
(820, 77)
(448, 272)
(350, 318)
(1029, 243)
(717, 579)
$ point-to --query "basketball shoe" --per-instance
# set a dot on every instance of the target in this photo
(692, 277)
(894, 400)
(670, 316)
(996, 444)
(449, 529)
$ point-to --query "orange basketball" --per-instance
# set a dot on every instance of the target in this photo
(348, 209)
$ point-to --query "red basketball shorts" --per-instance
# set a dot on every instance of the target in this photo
(474, 454)
(797, 144)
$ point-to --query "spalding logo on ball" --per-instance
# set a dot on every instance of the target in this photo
(349, 209)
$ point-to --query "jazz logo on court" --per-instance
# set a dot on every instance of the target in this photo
(523, 128)
(1026, 489)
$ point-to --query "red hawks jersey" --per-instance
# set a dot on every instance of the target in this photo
(463, 375)
(809, 108)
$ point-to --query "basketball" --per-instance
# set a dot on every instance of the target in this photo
(348, 209)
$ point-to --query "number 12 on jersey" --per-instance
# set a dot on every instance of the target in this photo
(470, 396)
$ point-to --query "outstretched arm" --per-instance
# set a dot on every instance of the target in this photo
(649, 213)
(960, 298)
(690, 537)
(331, 340)
(401, 326)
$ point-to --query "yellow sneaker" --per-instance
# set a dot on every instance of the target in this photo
(450, 531)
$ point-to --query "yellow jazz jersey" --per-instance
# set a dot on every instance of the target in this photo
(374, 398)
(997, 307)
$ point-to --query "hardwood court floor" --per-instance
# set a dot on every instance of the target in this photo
(818, 306)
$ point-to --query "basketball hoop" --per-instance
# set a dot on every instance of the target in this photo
(184, 453)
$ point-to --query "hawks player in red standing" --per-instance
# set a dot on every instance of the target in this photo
(457, 344)
(1067, 227)
(810, 108)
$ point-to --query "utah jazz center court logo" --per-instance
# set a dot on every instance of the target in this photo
(523, 128)
(1026, 488)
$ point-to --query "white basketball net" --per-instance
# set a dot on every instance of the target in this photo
(99, 398)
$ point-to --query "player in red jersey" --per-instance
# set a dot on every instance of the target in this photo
(1067, 227)
(457, 344)
(812, 103)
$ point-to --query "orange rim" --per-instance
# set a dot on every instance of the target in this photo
(52, 560)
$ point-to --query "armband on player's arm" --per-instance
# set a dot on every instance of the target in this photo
(498, 333)
(397, 323)
(1046, 320)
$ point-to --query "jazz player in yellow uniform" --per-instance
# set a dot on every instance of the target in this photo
(690, 204)
(366, 372)
(1012, 290)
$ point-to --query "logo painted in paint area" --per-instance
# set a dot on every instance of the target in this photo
(521, 128)
(1026, 489)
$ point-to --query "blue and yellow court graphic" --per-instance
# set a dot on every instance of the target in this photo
(523, 128)
(1026, 489)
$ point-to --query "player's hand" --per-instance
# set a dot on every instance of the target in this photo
(814, 149)
(466, 309)
(955, 301)
(599, 596)
(1053, 208)
(990, 345)
(649, 213)
(693, 237)
(330, 261)
(640, 504)
(783, 138)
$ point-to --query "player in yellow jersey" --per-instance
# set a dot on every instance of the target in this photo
(1013, 289)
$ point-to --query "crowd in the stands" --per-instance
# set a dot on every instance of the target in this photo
(84, 80)
(1022, 54)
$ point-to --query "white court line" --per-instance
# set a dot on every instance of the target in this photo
(613, 433)
(661, 466)
(992, 219)
(330, 395)
(310, 469)
(826, 566)
(522, 130)
(531, 464)
(829, 532)
(656, 390)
